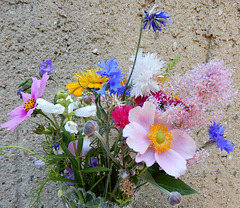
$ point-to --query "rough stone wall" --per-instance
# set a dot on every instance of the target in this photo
(68, 31)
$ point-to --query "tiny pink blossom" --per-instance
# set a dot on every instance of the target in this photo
(23, 112)
(172, 159)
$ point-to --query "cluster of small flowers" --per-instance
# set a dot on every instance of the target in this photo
(126, 186)
(200, 156)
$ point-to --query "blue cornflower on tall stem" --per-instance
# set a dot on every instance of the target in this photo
(155, 20)
(216, 133)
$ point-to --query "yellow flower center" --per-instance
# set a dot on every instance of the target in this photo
(160, 138)
(29, 104)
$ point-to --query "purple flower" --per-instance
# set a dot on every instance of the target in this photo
(93, 162)
(70, 175)
(216, 133)
(46, 67)
(155, 20)
(38, 163)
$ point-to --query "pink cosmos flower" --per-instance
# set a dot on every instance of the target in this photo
(23, 112)
(120, 115)
(85, 148)
(158, 141)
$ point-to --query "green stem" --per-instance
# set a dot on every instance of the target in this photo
(135, 59)
(143, 170)
(106, 148)
(5, 147)
(78, 159)
(56, 126)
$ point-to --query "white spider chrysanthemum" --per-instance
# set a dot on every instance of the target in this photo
(146, 68)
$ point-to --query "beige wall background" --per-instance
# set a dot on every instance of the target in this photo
(68, 31)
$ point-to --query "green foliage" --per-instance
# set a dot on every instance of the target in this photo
(160, 180)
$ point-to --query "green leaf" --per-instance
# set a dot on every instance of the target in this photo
(171, 65)
(59, 156)
(168, 182)
(79, 146)
(67, 137)
(95, 169)
(64, 180)
(71, 157)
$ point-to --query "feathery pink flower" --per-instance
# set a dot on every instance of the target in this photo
(23, 112)
(203, 90)
(156, 140)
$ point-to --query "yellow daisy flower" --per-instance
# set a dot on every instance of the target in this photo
(89, 79)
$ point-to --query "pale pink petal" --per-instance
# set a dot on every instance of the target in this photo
(163, 121)
(26, 97)
(86, 147)
(171, 162)
(71, 147)
(183, 144)
(137, 137)
(147, 157)
(143, 115)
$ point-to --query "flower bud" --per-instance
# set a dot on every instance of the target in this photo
(175, 198)
(124, 174)
(90, 127)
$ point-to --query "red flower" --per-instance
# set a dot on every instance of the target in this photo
(120, 115)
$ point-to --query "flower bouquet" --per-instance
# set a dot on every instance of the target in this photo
(111, 132)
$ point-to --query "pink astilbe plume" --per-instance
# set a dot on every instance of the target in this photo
(203, 89)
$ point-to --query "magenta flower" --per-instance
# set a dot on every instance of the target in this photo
(23, 112)
(156, 140)
(120, 115)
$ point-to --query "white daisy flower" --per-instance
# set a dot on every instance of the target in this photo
(146, 68)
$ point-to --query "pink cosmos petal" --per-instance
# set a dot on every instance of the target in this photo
(43, 84)
(17, 116)
(183, 144)
(143, 115)
(171, 162)
(34, 88)
(137, 137)
(26, 96)
(18, 112)
(148, 157)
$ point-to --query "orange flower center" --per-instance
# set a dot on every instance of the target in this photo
(29, 104)
(160, 138)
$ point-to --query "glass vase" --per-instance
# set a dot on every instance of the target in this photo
(73, 197)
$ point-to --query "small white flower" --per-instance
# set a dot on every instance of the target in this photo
(69, 98)
(71, 127)
(86, 111)
(48, 107)
(146, 68)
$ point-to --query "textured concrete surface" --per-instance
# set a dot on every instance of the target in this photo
(68, 31)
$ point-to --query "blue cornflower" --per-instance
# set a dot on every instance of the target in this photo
(216, 133)
(46, 66)
(114, 75)
(56, 146)
(156, 20)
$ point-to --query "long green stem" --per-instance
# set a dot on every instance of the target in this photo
(106, 148)
(78, 159)
(5, 147)
(135, 59)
